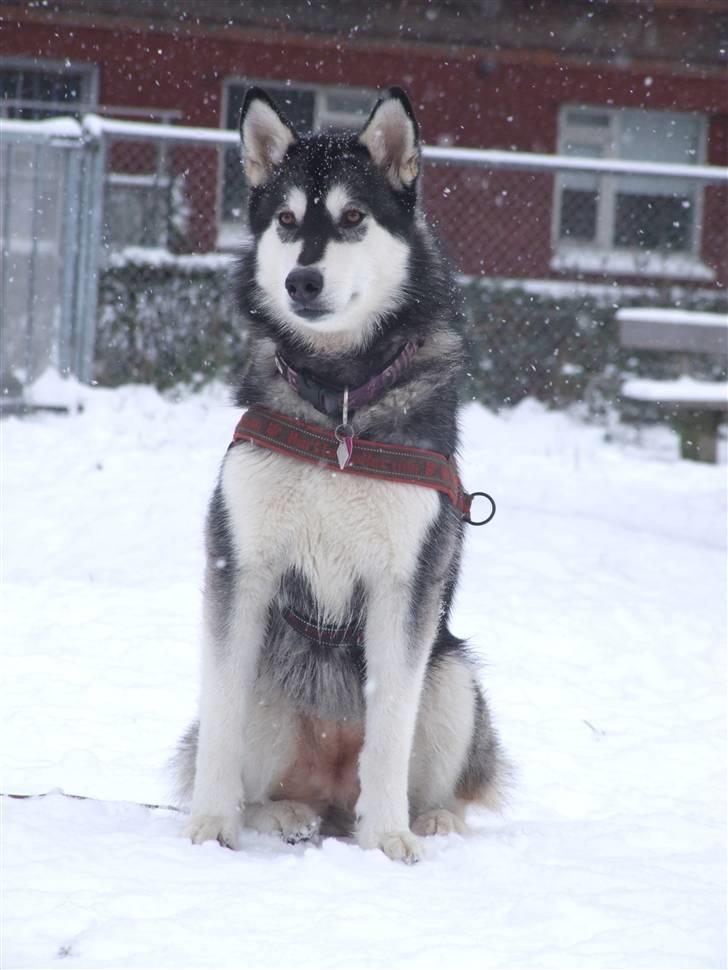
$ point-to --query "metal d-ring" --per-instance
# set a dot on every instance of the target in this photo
(488, 518)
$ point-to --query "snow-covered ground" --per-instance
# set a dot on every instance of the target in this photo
(597, 598)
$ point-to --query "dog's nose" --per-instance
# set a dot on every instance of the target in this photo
(304, 285)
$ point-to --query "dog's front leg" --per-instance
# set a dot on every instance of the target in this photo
(234, 633)
(395, 664)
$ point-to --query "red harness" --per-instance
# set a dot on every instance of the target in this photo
(373, 459)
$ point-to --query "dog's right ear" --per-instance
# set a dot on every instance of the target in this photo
(265, 136)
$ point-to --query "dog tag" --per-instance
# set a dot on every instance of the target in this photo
(346, 445)
(344, 435)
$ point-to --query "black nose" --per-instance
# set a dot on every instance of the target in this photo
(304, 285)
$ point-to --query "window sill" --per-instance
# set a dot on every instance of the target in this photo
(625, 263)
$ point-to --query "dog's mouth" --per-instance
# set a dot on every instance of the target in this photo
(315, 312)
(310, 312)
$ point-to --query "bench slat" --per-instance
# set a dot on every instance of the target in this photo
(659, 328)
(684, 393)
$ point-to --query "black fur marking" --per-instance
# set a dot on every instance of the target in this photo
(325, 680)
(484, 763)
(221, 568)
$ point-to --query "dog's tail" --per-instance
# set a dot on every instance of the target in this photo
(181, 766)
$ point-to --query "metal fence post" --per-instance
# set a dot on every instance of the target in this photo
(89, 250)
(71, 219)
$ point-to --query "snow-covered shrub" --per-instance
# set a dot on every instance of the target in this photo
(167, 319)
(559, 342)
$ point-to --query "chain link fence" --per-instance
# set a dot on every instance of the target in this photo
(118, 239)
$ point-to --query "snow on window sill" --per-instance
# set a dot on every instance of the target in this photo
(156, 256)
(627, 263)
(232, 236)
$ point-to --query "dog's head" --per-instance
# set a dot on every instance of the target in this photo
(332, 216)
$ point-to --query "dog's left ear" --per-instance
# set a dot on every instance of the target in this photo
(392, 138)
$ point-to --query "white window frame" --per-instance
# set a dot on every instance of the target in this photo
(231, 233)
(89, 82)
(601, 254)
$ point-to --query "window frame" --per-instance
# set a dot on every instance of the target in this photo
(231, 233)
(88, 71)
(602, 253)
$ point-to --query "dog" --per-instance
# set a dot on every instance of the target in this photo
(334, 699)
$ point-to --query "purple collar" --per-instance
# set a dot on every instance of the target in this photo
(329, 401)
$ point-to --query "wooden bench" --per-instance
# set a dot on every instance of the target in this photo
(697, 406)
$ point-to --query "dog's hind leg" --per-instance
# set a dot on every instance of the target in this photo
(269, 744)
(455, 757)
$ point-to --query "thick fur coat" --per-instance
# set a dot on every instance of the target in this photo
(386, 734)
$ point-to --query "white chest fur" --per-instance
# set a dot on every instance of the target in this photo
(332, 527)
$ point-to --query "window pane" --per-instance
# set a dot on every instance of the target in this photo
(33, 85)
(357, 103)
(581, 180)
(296, 105)
(653, 222)
(658, 136)
(578, 214)
(587, 118)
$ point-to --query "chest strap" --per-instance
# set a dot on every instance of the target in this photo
(371, 459)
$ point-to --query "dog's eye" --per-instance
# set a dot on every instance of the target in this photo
(351, 217)
(286, 218)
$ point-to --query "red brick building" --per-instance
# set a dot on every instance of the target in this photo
(607, 79)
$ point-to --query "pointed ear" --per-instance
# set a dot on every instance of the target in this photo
(265, 136)
(392, 138)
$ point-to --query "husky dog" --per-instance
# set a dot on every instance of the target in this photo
(381, 731)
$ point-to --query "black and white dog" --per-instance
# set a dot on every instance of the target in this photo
(334, 698)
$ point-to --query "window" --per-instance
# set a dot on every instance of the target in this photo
(629, 223)
(309, 108)
(45, 89)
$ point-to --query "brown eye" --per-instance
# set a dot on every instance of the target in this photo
(286, 218)
(351, 217)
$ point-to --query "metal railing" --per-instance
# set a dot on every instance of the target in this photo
(80, 197)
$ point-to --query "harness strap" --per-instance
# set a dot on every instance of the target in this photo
(372, 459)
(328, 636)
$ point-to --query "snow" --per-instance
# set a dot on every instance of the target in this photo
(495, 158)
(606, 293)
(683, 390)
(596, 597)
(157, 256)
(47, 127)
(665, 316)
(95, 126)
(627, 262)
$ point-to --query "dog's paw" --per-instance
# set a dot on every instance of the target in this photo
(439, 821)
(292, 821)
(214, 828)
(400, 846)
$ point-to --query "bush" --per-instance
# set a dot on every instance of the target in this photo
(560, 342)
(167, 319)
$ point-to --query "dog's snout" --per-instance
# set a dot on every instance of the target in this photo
(304, 285)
